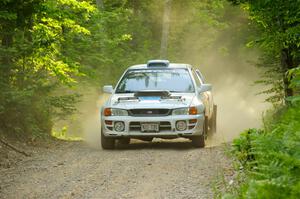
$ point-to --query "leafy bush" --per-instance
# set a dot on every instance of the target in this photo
(33, 64)
(30, 113)
(271, 158)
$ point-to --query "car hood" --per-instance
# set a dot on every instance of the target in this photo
(150, 102)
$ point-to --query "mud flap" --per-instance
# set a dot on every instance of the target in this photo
(206, 127)
(213, 121)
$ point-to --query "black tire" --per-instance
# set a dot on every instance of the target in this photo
(213, 121)
(124, 141)
(107, 143)
(198, 141)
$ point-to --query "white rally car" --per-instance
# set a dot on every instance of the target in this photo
(158, 100)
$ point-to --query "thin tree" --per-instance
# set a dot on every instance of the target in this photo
(165, 29)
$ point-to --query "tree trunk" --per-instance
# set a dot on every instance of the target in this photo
(100, 4)
(165, 29)
(136, 14)
(286, 64)
(7, 41)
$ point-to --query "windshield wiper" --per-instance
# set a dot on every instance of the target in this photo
(176, 92)
(126, 91)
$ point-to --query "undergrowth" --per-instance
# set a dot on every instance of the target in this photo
(62, 135)
(269, 159)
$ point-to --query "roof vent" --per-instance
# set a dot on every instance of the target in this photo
(158, 63)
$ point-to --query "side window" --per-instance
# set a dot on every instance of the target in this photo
(199, 74)
(197, 80)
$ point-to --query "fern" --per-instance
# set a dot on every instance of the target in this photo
(271, 157)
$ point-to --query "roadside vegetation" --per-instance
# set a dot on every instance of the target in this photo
(268, 159)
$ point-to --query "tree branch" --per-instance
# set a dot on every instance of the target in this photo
(14, 148)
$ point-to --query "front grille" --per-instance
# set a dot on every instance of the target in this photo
(149, 112)
(163, 126)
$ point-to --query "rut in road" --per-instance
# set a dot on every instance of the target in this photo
(142, 170)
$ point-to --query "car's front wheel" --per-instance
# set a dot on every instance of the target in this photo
(199, 141)
(106, 142)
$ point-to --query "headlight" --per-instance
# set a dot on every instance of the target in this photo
(181, 111)
(185, 111)
(118, 112)
(115, 112)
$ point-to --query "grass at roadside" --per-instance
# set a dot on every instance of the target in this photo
(268, 160)
(62, 135)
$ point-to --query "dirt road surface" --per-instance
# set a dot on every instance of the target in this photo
(141, 170)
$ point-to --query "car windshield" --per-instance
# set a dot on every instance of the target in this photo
(173, 80)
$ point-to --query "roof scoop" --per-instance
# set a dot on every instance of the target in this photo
(158, 63)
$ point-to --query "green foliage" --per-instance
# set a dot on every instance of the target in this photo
(63, 105)
(294, 76)
(243, 147)
(32, 35)
(271, 158)
(271, 77)
(48, 45)
(279, 25)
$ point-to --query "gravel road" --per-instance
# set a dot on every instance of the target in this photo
(141, 170)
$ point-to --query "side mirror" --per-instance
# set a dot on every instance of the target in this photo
(205, 87)
(108, 89)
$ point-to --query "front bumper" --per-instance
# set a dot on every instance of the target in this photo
(194, 129)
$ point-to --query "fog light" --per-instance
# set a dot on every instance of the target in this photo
(119, 126)
(193, 121)
(181, 125)
(108, 122)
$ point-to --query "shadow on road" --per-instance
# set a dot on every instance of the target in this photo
(159, 144)
(165, 144)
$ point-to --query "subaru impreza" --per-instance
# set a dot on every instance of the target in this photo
(158, 100)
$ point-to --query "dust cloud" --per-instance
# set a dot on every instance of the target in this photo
(85, 124)
(90, 122)
(225, 62)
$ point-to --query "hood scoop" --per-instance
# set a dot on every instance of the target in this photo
(150, 96)
(153, 93)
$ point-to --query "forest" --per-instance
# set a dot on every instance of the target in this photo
(51, 51)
